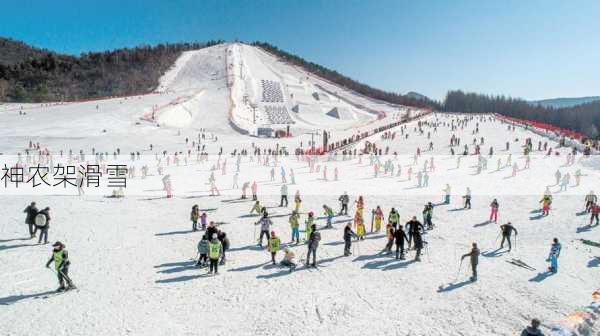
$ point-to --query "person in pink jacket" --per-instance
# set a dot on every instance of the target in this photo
(254, 188)
(494, 210)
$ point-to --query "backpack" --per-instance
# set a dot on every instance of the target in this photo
(317, 236)
(40, 220)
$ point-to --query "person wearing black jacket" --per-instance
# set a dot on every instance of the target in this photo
(474, 258)
(399, 238)
(313, 244)
(507, 230)
(211, 230)
(31, 211)
(222, 237)
(414, 227)
(348, 234)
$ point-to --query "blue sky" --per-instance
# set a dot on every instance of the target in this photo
(531, 49)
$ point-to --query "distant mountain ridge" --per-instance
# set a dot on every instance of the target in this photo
(566, 102)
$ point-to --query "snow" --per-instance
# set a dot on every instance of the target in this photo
(132, 257)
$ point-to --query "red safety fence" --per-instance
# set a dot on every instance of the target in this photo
(543, 126)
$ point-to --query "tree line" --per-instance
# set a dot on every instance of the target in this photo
(47, 76)
(583, 118)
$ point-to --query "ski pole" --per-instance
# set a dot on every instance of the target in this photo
(458, 272)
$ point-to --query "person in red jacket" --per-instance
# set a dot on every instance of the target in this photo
(595, 211)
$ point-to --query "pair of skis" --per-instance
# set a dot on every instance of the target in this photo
(520, 263)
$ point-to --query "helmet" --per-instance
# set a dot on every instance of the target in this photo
(272, 233)
(311, 213)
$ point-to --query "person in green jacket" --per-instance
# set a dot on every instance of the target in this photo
(256, 208)
(394, 218)
(60, 257)
(309, 224)
(274, 246)
(329, 213)
(215, 250)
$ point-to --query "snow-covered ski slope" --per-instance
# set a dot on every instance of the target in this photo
(228, 89)
(132, 257)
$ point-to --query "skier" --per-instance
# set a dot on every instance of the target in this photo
(467, 198)
(389, 231)
(313, 244)
(494, 210)
(297, 201)
(203, 219)
(222, 236)
(546, 202)
(447, 194)
(202, 251)
(254, 189)
(60, 257)
(360, 205)
(288, 259)
(31, 211)
(344, 199)
(360, 226)
(507, 230)
(194, 215)
(295, 225)
(414, 227)
(42, 223)
(595, 211)
(348, 234)
(211, 230)
(394, 218)
(244, 188)
(553, 256)
(533, 330)
(378, 218)
(590, 199)
(274, 245)
(265, 227)
(284, 195)
(256, 208)
(399, 238)
(215, 249)
(418, 243)
(329, 214)
(474, 256)
(309, 223)
(557, 176)
(427, 215)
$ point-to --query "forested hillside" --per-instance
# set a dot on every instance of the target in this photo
(33, 75)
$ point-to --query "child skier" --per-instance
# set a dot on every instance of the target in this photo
(546, 202)
(553, 256)
(288, 259)
(202, 251)
(329, 214)
(274, 244)
(215, 249)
